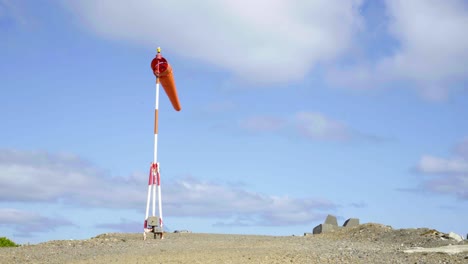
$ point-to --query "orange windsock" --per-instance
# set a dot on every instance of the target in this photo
(163, 71)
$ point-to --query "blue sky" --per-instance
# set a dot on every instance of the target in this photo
(291, 110)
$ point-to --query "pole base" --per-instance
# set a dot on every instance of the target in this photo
(153, 225)
(155, 233)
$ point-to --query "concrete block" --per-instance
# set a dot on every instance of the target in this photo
(331, 220)
(323, 228)
(455, 237)
(153, 221)
(351, 222)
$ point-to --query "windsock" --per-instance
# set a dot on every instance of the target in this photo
(163, 72)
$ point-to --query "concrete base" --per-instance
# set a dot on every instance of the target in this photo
(331, 220)
(351, 222)
(323, 228)
(331, 224)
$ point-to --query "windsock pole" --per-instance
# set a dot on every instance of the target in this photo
(163, 72)
(154, 177)
(157, 178)
(155, 157)
(154, 181)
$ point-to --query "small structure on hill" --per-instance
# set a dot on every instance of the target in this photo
(331, 224)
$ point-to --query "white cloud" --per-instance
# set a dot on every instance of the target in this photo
(445, 176)
(411, 21)
(456, 185)
(310, 125)
(434, 165)
(317, 126)
(258, 40)
(34, 176)
(44, 177)
(432, 51)
(462, 149)
(271, 41)
(434, 46)
(255, 208)
(27, 223)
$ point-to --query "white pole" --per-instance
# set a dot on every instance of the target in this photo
(154, 195)
(155, 159)
(148, 199)
(159, 199)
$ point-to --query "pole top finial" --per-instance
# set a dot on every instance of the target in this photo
(158, 49)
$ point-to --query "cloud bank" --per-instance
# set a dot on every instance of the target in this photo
(253, 39)
(263, 40)
(68, 179)
(310, 125)
(430, 52)
(26, 224)
(318, 126)
(448, 176)
(271, 41)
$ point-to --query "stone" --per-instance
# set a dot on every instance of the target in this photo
(450, 249)
(182, 231)
(323, 228)
(331, 220)
(351, 222)
(455, 236)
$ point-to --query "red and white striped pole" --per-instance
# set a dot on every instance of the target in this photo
(154, 181)
(157, 177)
(150, 185)
(164, 76)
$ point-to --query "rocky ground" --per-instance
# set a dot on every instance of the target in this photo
(367, 243)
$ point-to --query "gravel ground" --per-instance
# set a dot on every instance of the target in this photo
(368, 243)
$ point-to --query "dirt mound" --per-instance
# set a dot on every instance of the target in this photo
(410, 237)
(368, 243)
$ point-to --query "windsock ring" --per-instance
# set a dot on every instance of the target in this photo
(163, 72)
